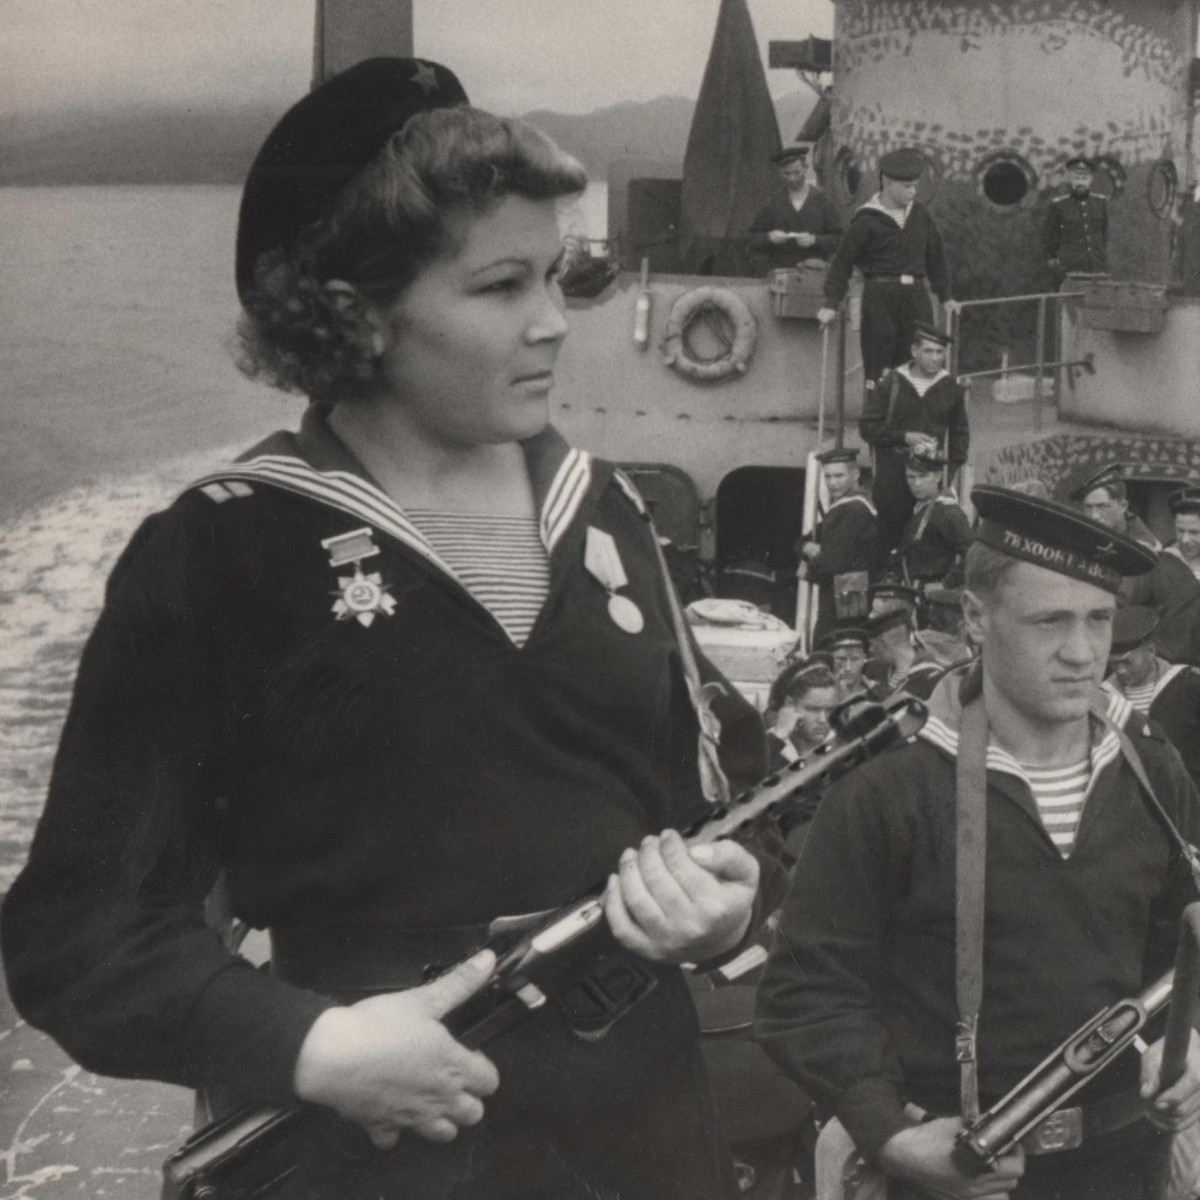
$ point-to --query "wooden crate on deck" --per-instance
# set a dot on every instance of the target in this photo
(1121, 306)
(798, 292)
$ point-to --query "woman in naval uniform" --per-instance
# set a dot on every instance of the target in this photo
(395, 675)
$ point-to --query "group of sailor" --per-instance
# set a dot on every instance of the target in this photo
(904, 631)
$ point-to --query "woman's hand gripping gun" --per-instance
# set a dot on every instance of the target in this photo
(259, 1151)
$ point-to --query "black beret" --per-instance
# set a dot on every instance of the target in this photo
(930, 334)
(905, 164)
(919, 460)
(791, 153)
(1186, 500)
(1132, 628)
(852, 635)
(323, 141)
(893, 591)
(841, 454)
(1057, 537)
(1079, 160)
(887, 620)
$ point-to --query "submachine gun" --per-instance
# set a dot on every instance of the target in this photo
(259, 1151)
(1037, 1102)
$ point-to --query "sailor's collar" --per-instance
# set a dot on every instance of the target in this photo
(850, 498)
(898, 215)
(316, 463)
(906, 371)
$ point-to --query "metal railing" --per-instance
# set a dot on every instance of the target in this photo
(952, 319)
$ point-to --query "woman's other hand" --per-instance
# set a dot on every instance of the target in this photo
(670, 903)
(388, 1063)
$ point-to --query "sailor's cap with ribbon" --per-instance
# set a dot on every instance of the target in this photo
(1185, 502)
(1133, 628)
(1057, 537)
(849, 637)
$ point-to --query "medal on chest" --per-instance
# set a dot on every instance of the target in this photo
(361, 596)
(603, 563)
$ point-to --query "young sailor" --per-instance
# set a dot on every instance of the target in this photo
(842, 550)
(918, 406)
(893, 240)
(1084, 887)
(938, 533)
(799, 223)
(1168, 693)
(1185, 507)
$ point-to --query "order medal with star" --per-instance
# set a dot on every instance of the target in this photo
(361, 596)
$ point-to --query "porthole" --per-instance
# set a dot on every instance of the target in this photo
(1163, 187)
(848, 174)
(1006, 180)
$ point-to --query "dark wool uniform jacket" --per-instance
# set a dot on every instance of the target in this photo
(857, 1003)
(1175, 709)
(1075, 237)
(936, 537)
(846, 535)
(941, 413)
(877, 245)
(415, 772)
(818, 215)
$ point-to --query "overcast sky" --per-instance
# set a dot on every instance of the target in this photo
(513, 55)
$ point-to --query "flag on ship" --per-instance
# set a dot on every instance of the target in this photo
(727, 170)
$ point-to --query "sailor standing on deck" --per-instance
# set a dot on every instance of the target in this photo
(916, 406)
(892, 239)
(843, 550)
(1084, 891)
(938, 533)
(1075, 238)
(1171, 588)
(799, 222)
(1185, 506)
(1168, 693)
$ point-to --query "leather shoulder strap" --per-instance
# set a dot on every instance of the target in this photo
(970, 861)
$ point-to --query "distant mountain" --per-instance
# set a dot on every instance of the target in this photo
(163, 145)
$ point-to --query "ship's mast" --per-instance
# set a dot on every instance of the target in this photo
(347, 31)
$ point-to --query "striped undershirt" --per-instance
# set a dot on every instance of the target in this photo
(500, 560)
(1141, 697)
(1059, 793)
(921, 383)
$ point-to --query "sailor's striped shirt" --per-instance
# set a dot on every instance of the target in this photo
(500, 560)
(1059, 793)
(1141, 697)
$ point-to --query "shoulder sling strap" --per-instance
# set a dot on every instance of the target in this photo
(970, 860)
(1134, 759)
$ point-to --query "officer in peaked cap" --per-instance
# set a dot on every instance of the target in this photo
(1075, 237)
(858, 1001)
(840, 553)
(1168, 693)
(1185, 508)
(799, 222)
(893, 240)
(1103, 495)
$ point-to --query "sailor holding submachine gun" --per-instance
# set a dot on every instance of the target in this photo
(972, 900)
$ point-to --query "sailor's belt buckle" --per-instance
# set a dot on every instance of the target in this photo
(908, 279)
(1061, 1130)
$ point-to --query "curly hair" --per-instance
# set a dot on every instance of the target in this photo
(796, 681)
(306, 324)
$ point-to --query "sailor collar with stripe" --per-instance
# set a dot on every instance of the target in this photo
(850, 498)
(945, 715)
(1166, 672)
(898, 215)
(315, 463)
(906, 373)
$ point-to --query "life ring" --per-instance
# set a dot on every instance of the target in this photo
(686, 309)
